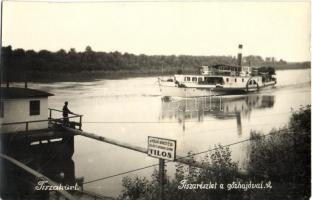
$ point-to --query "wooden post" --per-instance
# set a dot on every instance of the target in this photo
(50, 115)
(161, 178)
(26, 126)
(50, 118)
(80, 122)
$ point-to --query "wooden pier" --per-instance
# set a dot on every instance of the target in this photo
(31, 139)
(38, 175)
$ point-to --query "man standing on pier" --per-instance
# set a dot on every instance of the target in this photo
(66, 111)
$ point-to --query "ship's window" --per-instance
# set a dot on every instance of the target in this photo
(242, 80)
(34, 107)
(235, 80)
(227, 79)
(187, 78)
(200, 79)
(194, 79)
(1, 109)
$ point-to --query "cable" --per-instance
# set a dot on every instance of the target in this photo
(190, 155)
(251, 125)
(122, 173)
(228, 145)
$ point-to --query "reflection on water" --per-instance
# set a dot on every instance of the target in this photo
(223, 107)
(137, 100)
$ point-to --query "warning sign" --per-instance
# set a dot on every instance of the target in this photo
(161, 148)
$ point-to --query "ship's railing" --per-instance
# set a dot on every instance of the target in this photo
(73, 121)
(223, 73)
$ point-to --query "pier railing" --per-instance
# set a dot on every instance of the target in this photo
(62, 120)
(73, 121)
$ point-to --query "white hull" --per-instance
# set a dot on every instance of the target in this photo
(229, 81)
(189, 92)
(168, 91)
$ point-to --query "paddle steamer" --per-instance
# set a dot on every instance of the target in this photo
(219, 79)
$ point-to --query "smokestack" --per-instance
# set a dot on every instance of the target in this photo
(239, 55)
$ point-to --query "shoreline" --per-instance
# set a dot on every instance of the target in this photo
(87, 76)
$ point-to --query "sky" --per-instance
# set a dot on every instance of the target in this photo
(269, 29)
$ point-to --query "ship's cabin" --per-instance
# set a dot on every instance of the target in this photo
(210, 80)
(225, 70)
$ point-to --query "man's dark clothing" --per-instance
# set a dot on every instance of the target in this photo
(66, 111)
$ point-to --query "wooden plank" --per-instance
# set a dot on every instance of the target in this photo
(128, 146)
(180, 159)
(37, 174)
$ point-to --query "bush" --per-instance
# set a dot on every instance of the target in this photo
(224, 171)
(283, 157)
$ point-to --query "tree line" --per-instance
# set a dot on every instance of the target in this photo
(70, 61)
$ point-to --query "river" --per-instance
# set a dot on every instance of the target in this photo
(130, 110)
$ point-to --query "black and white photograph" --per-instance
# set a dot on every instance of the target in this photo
(155, 100)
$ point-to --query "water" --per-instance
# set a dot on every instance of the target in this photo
(196, 124)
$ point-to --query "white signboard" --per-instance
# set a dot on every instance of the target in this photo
(161, 148)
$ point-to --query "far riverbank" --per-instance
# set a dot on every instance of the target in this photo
(86, 76)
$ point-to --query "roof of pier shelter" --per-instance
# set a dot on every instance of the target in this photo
(21, 93)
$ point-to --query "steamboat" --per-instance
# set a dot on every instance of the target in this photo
(219, 79)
